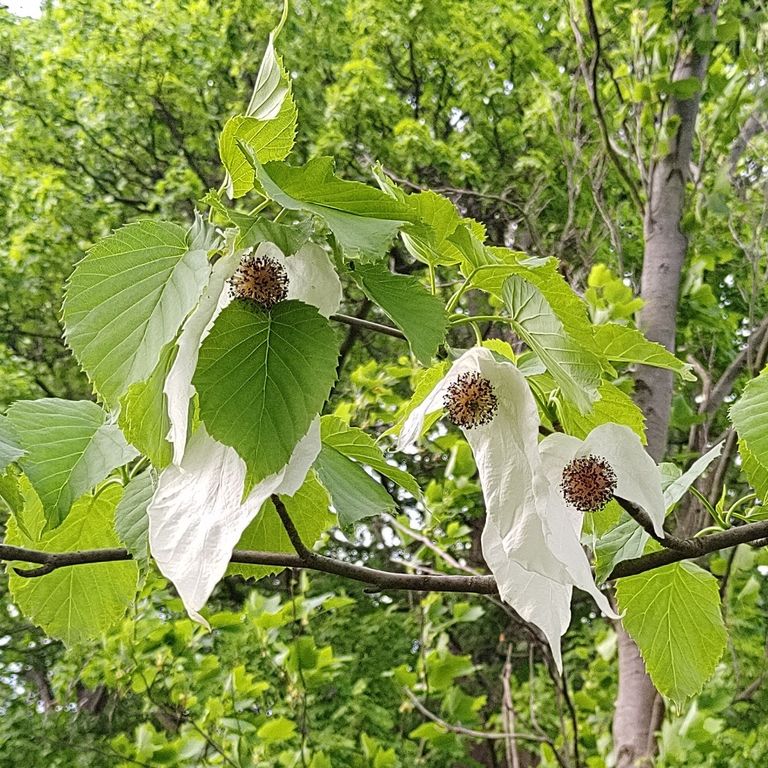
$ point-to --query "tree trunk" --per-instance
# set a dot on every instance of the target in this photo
(639, 708)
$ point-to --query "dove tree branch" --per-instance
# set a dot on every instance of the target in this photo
(49, 562)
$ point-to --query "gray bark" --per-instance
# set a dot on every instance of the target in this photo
(639, 708)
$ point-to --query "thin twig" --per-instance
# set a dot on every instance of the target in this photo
(470, 732)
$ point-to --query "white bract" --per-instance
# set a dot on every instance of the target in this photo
(197, 514)
(531, 539)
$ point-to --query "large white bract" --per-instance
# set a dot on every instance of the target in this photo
(197, 513)
(531, 539)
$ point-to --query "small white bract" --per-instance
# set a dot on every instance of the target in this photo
(531, 539)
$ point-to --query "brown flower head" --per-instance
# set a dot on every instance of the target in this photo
(260, 279)
(470, 400)
(588, 483)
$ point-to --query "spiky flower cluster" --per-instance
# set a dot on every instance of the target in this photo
(588, 483)
(470, 400)
(260, 279)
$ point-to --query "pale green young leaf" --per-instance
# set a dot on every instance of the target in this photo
(673, 614)
(10, 449)
(144, 412)
(354, 493)
(621, 344)
(432, 244)
(419, 315)
(575, 369)
(501, 263)
(363, 219)
(262, 377)
(355, 444)
(755, 470)
(127, 299)
(614, 406)
(310, 513)
(81, 603)
(131, 519)
(70, 447)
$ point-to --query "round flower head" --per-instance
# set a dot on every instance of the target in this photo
(470, 400)
(588, 483)
(261, 279)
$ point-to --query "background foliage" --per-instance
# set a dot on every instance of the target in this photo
(111, 112)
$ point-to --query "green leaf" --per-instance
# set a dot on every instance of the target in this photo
(79, 603)
(431, 245)
(748, 417)
(354, 493)
(309, 511)
(614, 406)
(70, 448)
(575, 369)
(262, 377)
(673, 614)
(10, 449)
(127, 299)
(755, 470)
(358, 446)
(144, 412)
(363, 219)
(256, 229)
(627, 345)
(276, 729)
(131, 519)
(419, 315)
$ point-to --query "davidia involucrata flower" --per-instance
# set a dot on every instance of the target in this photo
(197, 514)
(536, 493)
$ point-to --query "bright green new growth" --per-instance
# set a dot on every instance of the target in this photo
(308, 509)
(73, 604)
(748, 415)
(673, 614)
(362, 219)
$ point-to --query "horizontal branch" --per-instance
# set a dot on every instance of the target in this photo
(51, 561)
(752, 533)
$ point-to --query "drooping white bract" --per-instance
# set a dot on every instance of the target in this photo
(312, 279)
(197, 516)
(637, 477)
(531, 539)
